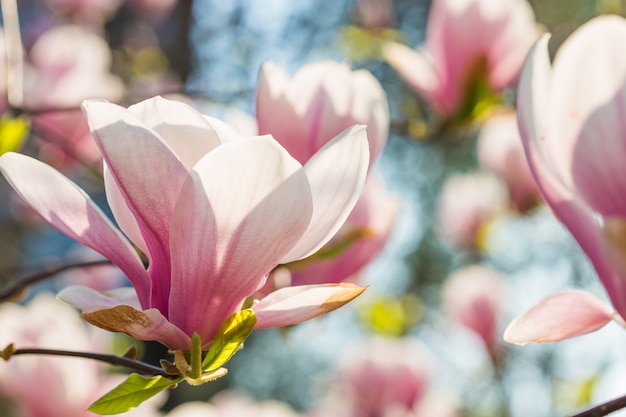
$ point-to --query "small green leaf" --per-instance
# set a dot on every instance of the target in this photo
(233, 331)
(130, 393)
(13, 131)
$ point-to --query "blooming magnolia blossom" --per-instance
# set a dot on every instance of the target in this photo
(214, 213)
(471, 296)
(322, 99)
(47, 386)
(571, 120)
(384, 377)
(304, 113)
(233, 404)
(467, 202)
(500, 151)
(466, 40)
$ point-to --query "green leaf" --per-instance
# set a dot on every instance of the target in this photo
(130, 393)
(13, 131)
(233, 331)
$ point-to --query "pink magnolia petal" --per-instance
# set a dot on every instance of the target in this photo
(185, 130)
(293, 305)
(85, 298)
(558, 317)
(276, 114)
(337, 175)
(244, 205)
(141, 325)
(585, 142)
(416, 70)
(532, 110)
(65, 206)
(129, 147)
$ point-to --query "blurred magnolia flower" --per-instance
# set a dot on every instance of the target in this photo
(52, 386)
(467, 42)
(67, 65)
(232, 404)
(500, 150)
(386, 377)
(322, 99)
(571, 117)
(213, 209)
(472, 297)
(304, 113)
(467, 202)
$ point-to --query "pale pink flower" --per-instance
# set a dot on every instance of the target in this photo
(571, 117)
(233, 404)
(466, 41)
(364, 234)
(472, 297)
(304, 113)
(52, 386)
(374, 14)
(322, 99)
(500, 151)
(467, 202)
(214, 213)
(384, 377)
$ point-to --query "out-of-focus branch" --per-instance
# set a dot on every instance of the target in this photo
(603, 409)
(15, 53)
(19, 285)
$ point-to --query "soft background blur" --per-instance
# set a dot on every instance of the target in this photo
(528, 249)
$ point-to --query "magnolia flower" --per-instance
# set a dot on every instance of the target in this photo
(94, 11)
(467, 203)
(571, 117)
(303, 114)
(47, 386)
(500, 150)
(213, 212)
(466, 41)
(322, 99)
(233, 404)
(471, 296)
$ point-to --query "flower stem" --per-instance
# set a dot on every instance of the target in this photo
(603, 409)
(133, 364)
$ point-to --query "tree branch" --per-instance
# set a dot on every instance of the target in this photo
(603, 409)
(48, 271)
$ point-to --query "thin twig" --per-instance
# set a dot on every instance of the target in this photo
(603, 409)
(133, 364)
(15, 53)
(48, 271)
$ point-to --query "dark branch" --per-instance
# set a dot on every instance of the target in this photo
(133, 364)
(603, 409)
(48, 271)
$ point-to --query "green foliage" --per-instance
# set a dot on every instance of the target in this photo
(231, 335)
(130, 393)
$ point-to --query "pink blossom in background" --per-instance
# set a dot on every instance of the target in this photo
(233, 404)
(52, 386)
(466, 40)
(571, 117)
(303, 113)
(322, 99)
(68, 64)
(384, 377)
(365, 232)
(374, 14)
(472, 297)
(500, 151)
(232, 209)
(467, 202)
